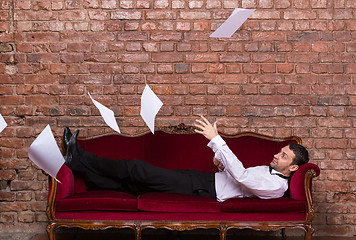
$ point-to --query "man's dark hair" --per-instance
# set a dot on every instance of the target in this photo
(301, 154)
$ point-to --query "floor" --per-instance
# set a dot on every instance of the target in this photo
(156, 235)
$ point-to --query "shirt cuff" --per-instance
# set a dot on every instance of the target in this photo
(216, 143)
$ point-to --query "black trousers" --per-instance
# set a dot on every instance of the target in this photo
(138, 177)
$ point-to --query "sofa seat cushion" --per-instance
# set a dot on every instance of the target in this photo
(168, 202)
(262, 205)
(98, 200)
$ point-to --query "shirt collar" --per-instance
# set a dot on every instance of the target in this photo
(274, 172)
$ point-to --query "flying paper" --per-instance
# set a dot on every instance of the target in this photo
(237, 18)
(44, 152)
(3, 124)
(107, 114)
(150, 105)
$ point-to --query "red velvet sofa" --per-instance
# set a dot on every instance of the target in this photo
(72, 204)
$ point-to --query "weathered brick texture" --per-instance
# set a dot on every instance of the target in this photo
(289, 70)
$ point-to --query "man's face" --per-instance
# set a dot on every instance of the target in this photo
(282, 161)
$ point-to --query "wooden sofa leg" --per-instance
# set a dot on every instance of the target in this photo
(138, 230)
(308, 233)
(223, 231)
(283, 232)
(51, 231)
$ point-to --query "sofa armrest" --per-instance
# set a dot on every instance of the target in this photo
(301, 186)
(59, 190)
(300, 182)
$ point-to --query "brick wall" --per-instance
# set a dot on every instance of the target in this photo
(290, 70)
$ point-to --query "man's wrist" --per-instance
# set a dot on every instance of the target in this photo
(216, 143)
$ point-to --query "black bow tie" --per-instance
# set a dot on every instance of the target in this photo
(278, 174)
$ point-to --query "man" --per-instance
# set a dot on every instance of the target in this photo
(232, 180)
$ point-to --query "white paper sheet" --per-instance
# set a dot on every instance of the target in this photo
(236, 19)
(45, 153)
(3, 124)
(107, 114)
(150, 105)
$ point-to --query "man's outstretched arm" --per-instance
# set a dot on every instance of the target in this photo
(209, 131)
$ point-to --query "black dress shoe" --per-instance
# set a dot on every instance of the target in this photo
(72, 149)
(67, 134)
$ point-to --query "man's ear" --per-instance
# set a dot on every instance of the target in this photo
(293, 168)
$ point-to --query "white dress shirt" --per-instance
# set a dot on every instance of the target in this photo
(235, 181)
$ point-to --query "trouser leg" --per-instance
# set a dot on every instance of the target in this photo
(138, 176)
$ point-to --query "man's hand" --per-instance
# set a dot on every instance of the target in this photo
(206, 129)
(218, 164)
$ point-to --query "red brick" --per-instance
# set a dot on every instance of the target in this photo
(77, 69)
(300, 14)
(199, 47)
(78, 47)
(165, 68)
(161, 36)
(268, 15)
(160, 79)
(195, 36)
(167, 57)
(41, 100)
(196, 100)
(199, 68)
(181, 68)
(43, 58)
(332, 143)
(132, 36)
(266, 78)
(131, 26)
(95, 37)
(268, 68)
(172, 100)
(108, 4)
(232, 100)
(179, 89)
(249, 89)
(251, 47)
(232, 78)
(234, 57)
(268, 36)
(268, 57)
(102, 58)
(194, 15)
(267, 100)
(159, 14)
(216, 68)
(197, 78)
(72, 58)
(134, 57)
(26, 217)
(270, 121)
(233, 68)
(11, 100)
(7, 175)
(202, 57)
(72, 16)
(183, 111)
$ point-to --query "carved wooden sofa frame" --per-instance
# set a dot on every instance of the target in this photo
(221, 226)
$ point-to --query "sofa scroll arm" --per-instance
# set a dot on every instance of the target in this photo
(51, 199)
(310, 174)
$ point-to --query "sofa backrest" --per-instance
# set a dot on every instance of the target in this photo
(185, 151)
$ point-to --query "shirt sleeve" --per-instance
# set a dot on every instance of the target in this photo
(257, 184)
